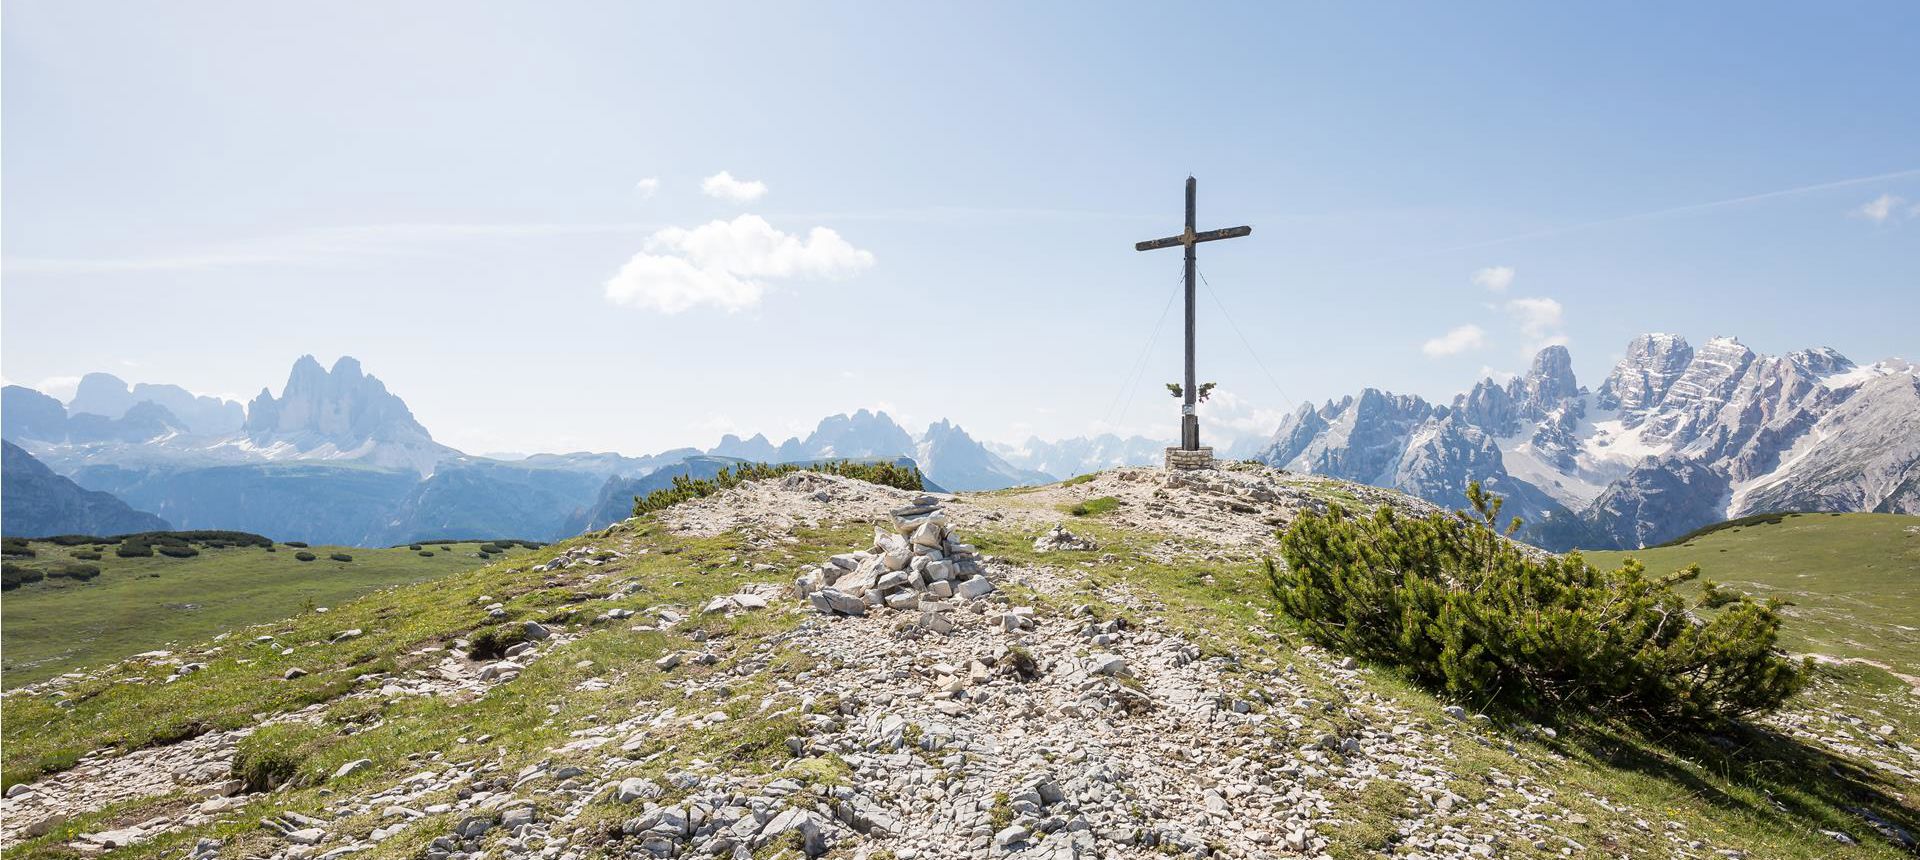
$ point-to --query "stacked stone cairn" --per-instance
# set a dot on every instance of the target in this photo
(917, 564)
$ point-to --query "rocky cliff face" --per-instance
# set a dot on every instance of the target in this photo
(340, 414)
(1641, 379)
(956, 461)
(1674, 439)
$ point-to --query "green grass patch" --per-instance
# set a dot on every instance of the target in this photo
(1853, 580)
(1094, 507)
(137, 604)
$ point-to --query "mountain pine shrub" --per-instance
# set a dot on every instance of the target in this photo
(303, 555)
(340, 556)
(686, 489)
(1467, 612)
(134, 549)
(13, 576)
(72, 570)
(273, 755)
(493, 642)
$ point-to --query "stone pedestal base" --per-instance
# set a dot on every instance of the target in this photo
(1183, 459)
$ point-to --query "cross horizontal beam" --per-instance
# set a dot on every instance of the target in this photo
(1195, 238)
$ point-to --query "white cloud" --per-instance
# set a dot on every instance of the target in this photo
(1537, 317)
(1541, 320)
(722, 185)
(1495, 278)
(727, 263)
(647, 187)
(1457, 340)
(1881, 208)
(60, 388)
(1231, 416)
(1488, 371)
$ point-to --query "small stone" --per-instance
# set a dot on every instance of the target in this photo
(295, 672)
(517, 816)
(352, 767)
(636, 788)
(975, 588)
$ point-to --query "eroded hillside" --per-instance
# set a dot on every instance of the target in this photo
(658, 690)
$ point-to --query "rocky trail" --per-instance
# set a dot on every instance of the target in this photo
(912, 697)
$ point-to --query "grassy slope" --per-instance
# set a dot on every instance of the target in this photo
(1854, 579)
(140, 604)
(1754, 790)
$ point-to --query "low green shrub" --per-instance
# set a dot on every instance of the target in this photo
(174, 551)
(17, 547)
(340, 556)
(134, 549)
(13, 576)
(685, 488)
(492, 643)
(296, 544)
(273, 755)
(86, 555)
(1465, 611)
(1094, 507)
(303, 555)
(71, 540)
(487, 548)
(413, 546)
(426, 553)
(72, 570)
(202, 536)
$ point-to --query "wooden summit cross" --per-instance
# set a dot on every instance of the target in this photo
(1190, 455)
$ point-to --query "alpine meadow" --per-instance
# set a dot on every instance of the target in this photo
(859, 431)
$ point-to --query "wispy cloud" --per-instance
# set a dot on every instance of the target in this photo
(722, 185)
(1883, 208)
(727, 264)
(59, 387)
(1231, 416)
(1681, 210)
(1542, 320)
(1457, 340)
(647, 187)
(317, 246)
(1495, 278)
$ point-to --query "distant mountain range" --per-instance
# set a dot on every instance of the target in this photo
(1675, 438)
(337, 458)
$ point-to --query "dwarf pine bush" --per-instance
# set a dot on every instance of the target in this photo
(1465, 611)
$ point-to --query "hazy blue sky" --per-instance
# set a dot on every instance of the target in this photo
(503, 209)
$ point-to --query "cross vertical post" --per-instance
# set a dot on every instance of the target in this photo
(1190, 455)
(1189, 417)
